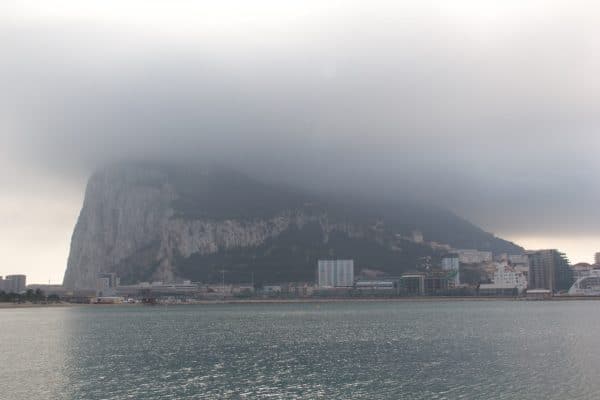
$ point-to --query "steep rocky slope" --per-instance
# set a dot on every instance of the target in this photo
(152, 222)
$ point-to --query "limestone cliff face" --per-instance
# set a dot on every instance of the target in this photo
(184, 238)
(149, 222)
(124, 210)
(128, 210)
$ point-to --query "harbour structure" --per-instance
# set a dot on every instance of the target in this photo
(549, 269)
(335, 273)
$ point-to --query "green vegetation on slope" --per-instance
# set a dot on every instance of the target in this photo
(293, 256)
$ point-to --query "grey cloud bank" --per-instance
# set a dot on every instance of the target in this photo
(494, 115)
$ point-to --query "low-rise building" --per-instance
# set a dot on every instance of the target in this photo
(374, 284)
(158, 289)
(376, 288)
(216, 290)
(539, 294)
(271, 289)
(417, 237)
(413, 284)
(437, 282)
(439, 246)
(242, 289)
(108, 300)
(300, 289)
(512, 259)
(106, 284)
(48, 290)
(469, 256)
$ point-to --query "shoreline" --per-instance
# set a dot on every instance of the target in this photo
(36, 305)
(307, 301)
(390, 299)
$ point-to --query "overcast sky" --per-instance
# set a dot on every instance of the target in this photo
(489, 108)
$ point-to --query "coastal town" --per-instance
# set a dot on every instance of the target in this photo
(540, 275)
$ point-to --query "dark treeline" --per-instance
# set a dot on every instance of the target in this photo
(30, 296)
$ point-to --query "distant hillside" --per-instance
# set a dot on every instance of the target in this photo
(154, 222)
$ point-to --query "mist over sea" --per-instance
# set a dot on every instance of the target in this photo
(359, 350)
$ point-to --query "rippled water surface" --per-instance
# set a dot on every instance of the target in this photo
(361, 350)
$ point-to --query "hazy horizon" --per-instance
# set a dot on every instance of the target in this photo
(490, 109)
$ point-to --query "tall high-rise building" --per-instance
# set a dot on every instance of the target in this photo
(452, 265)
(14, 283)
(336, 273)
(549, 269)
(597, 258)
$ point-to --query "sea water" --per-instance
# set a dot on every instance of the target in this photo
(348, 350)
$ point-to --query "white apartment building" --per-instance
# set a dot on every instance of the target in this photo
(336, 273)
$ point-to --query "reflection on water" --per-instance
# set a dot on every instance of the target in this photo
(33, 352)
(422, 350)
